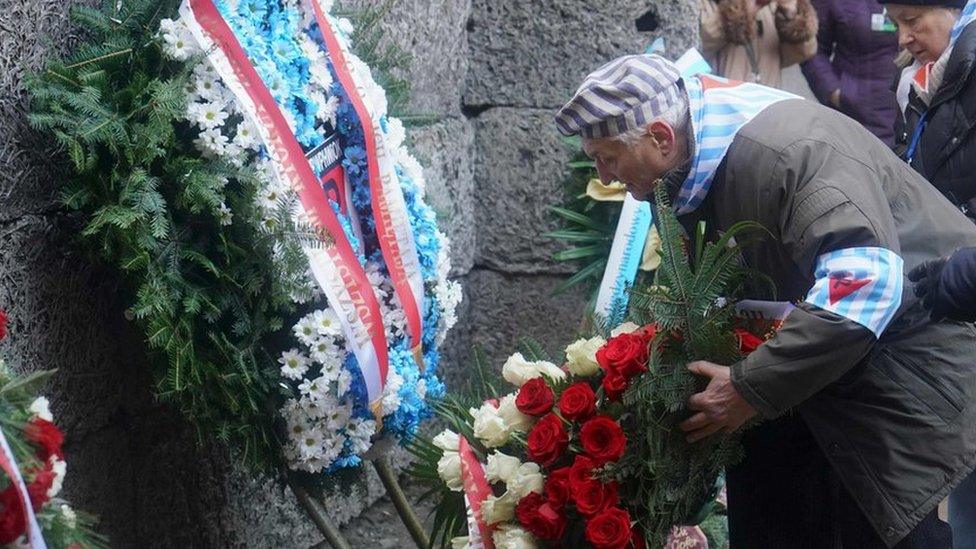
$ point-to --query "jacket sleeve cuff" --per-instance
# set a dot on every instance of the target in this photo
(740, 380)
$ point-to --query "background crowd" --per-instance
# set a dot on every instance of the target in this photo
(899, 70)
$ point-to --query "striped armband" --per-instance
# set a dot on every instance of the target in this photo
(860, 284)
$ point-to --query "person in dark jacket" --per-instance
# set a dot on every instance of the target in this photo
(855, 63)
(936, 129)
(868, 407)
(936, 135)
(947, 286)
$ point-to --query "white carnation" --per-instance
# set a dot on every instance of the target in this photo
(581, 356)
(508, 536)
(449, 469)
(447, 440)
(501, 467)
(489, 427)
(517, 370)
(514, 419)
(41, 408)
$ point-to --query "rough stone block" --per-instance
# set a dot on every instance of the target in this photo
(504, 308)
(520, 170)
(535, 54)
(446, 151)
(433, 32)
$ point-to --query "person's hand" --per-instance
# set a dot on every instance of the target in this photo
(835, 98)
(720, 407)
(928, 287)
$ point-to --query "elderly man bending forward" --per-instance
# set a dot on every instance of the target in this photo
(868, 407)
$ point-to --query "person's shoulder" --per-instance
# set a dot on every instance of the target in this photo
(786, 122)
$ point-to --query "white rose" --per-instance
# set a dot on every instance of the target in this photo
(501, 467)
(448, 441)
(449, 469)
(41, 408)
(499, 509)
(513, 418)
(460, 542)
(581, 356)
(625, 328)
(527, 479)
(489, 427)
(517, 370)
(508, 536)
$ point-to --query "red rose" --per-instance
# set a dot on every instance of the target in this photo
(614, 385)
(580, 473)
(47, 436)
(747, 342)
(557, 487)
(577, 402)
(610, 529)
(13, 520)
(547, 440)
(3, 324)
(625, 354)
(535, 398)
(540, 518)
(603, 439)
(39, 487)
(595, 496)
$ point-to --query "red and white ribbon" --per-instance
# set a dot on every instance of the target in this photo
(476, 491)
(34, 538)
(334, 264)
(389, 207)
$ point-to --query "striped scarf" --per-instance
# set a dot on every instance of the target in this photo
(719, 108)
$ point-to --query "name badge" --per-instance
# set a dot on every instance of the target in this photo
(881, 23)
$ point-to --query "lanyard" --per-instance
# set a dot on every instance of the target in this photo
(916, 137)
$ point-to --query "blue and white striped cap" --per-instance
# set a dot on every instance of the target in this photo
(623, 95)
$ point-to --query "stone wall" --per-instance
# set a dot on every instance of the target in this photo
(491, 71)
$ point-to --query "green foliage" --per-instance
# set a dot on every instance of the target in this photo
(588, 225)
(673, 479)
(206, 294)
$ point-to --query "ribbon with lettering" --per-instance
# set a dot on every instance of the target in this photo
(334, 263)
(34, 538)
(476, 491)
(389, 207)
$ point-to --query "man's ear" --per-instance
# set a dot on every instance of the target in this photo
(662, 135)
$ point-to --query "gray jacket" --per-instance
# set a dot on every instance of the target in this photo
(896, 416)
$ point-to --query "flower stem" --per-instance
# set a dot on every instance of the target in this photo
(322, 521)
(403, 507)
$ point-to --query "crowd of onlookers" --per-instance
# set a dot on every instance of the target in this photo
(900, 70)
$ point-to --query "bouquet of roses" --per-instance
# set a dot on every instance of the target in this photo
(591, 450)
(32, 468)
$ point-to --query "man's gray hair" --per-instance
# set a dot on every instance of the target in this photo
(677, 116)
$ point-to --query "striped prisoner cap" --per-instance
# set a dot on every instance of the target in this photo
(623, 95)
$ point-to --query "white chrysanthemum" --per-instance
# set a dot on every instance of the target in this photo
(211, 142)
(360, 433)
(178, 44)
(391, 393)
(411, 166)
(338, 416)
(396, 134)
(207, 86)
(327, 322)
(321, 75)
(307, 330)
(326, 351)
(247, 136)
(314, 389)
(310, 445)
(328, 110)
(41, 408)
(343, 382)
(207, 115)
(272, 195)
(293, 364)
(225, 215)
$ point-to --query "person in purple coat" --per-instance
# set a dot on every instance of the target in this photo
(854, 65)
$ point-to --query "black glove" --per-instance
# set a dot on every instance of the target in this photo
(928, 287)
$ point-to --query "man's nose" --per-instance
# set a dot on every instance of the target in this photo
(605, 176)
(904, 37)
